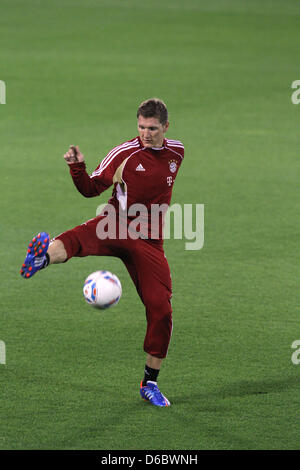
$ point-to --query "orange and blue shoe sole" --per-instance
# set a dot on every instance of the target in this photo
(36, 255)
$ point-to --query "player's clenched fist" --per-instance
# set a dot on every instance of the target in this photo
(73, 155)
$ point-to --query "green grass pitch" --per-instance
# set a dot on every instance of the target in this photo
(75, 72)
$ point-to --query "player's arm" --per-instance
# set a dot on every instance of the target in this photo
(87, 186)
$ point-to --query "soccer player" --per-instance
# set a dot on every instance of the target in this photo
(142, 171)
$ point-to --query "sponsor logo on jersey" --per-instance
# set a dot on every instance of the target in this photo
(169, 180)
(140, 168)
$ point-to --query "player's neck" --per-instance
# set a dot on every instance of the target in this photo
(159, 146)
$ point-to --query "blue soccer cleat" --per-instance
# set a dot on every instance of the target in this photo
(151, 392)
(36, 255)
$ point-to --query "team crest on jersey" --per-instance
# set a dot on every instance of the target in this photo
(173, 166)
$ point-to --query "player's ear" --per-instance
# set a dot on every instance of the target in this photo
(166, 126)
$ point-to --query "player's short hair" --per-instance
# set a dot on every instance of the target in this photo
(154, 107)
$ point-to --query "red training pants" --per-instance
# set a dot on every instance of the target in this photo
(148, 267)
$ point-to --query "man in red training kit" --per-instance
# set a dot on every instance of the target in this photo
(142, 171)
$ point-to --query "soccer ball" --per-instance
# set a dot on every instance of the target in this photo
(102, 289)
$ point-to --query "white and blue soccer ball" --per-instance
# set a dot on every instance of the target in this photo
(102, 289)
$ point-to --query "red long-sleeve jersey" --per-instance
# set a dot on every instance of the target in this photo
(139, 175)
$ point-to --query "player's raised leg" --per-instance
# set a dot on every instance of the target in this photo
(79, 241)
(40, 253)
(57, 252)
(36, 257)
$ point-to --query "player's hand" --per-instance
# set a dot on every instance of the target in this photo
(73, 155)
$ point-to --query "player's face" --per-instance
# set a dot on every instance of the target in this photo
(151, 131)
